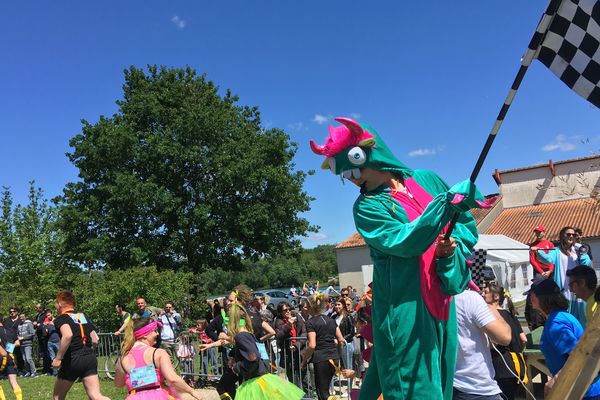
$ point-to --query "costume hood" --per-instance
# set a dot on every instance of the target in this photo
(352, 146)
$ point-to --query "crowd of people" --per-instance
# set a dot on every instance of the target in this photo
(319, 335)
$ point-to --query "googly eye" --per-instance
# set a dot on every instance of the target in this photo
(332, 164)
(357, 156)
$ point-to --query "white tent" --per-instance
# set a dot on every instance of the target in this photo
(509, 260)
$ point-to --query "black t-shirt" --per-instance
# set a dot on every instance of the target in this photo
(325, 328)
(12, 329)
(3, 337)
(515, 346)
(74, 320)
(256, 322)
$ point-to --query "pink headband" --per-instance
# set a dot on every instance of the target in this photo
(146, 329)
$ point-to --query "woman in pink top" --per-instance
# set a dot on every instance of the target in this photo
(145, 369)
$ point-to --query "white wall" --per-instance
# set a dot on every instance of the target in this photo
(537, 185)
(350, 262)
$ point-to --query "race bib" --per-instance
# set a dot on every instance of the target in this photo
(78, 318)
(262, 350)
(10, 347)
(142, 376)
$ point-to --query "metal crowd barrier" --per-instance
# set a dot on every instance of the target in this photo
(206, 367)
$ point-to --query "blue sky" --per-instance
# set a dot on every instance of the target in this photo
(429, 76)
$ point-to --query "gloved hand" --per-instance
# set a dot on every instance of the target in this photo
(464, 195)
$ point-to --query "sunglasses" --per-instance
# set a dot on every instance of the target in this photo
(571, 235)
(285, 309)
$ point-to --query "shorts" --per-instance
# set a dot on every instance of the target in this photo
(7, 365)
(80, 364)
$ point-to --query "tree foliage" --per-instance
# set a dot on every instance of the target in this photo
(97, 292)
(276, 272)
(30, 249)
(181, 178)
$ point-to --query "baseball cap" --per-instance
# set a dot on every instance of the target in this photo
(545, 288)
(539, 228)
(534, 282)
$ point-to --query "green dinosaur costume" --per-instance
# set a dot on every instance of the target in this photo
(414, 320)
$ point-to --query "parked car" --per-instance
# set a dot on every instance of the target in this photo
(274, 297)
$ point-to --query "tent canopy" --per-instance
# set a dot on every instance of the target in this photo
(518, 253)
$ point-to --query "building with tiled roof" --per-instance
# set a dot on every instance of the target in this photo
(553, 195)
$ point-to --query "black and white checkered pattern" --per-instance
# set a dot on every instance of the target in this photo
(571, 47)
(479, 257)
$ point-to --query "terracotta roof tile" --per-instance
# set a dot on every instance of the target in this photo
(353, 241)
(480, 213)
(518, 222)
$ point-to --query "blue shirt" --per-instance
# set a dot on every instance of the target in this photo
(560, 336)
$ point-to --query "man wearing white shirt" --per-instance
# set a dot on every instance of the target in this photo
(474, 375)
(171, 326)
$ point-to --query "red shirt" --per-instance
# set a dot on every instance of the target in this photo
(538, 265)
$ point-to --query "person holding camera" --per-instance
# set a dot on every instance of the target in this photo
(171, 327)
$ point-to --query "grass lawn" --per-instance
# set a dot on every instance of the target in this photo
(41, 388)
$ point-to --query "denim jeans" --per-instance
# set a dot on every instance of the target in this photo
(28, 359)
(212, 355)
(347, 354)
(52, 350)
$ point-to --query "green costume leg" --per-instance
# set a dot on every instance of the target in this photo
(407, 339)
(370, 388)
(449, 352)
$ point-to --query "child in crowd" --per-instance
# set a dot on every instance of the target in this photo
(185, 354)
(209, 353)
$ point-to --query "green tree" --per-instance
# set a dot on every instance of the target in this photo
(181, 177)
(97, 292)
(30, 250)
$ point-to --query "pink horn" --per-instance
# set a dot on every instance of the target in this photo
(352, 125)
(317, 149)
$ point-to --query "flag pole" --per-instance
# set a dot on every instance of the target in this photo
(526, 60)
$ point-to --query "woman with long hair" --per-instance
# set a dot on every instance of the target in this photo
(345, 322)
(322, 332)
(508, 360)
(287, 328)
(257, 383)
(144, 369)
(561, 331)
(565, 257)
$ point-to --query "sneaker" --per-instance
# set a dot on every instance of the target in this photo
(34, 375)
(27, 375)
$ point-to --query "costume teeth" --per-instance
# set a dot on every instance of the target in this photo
(347, 174)
(356, 173)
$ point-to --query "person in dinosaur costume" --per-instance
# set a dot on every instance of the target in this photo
(401, 214)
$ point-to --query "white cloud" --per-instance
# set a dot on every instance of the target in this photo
(321, 119)
(562, 143)
(317, 236)
(296, 126)
(179, 23)
(425, 151)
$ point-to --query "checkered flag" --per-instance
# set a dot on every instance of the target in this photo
(477, 265)
(571, 47)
